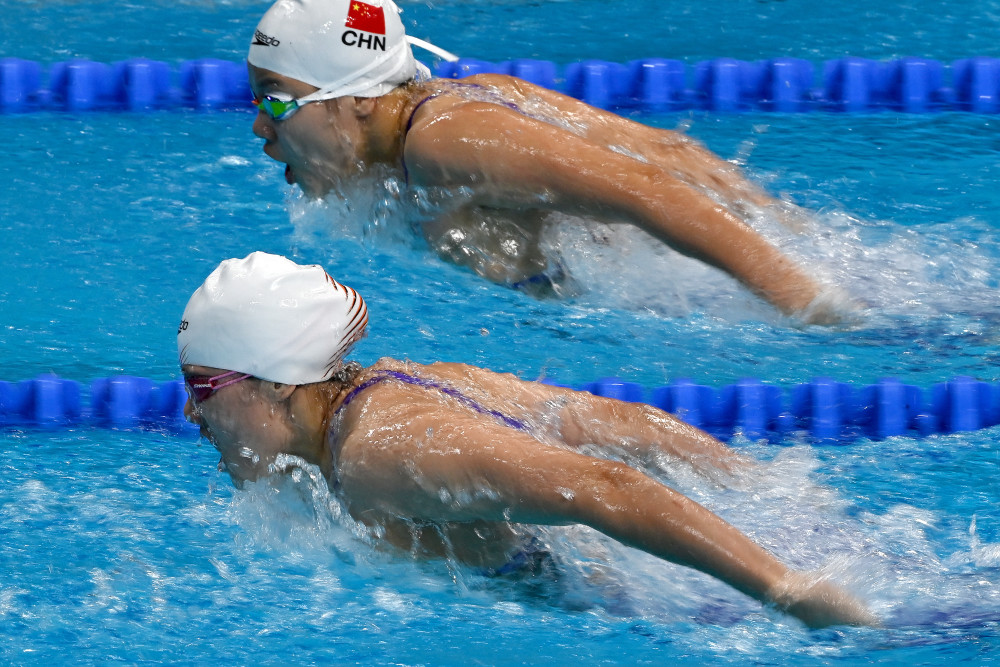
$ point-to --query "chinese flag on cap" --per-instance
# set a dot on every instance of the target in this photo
(362, 16)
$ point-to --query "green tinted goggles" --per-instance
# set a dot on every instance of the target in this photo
(277, 108)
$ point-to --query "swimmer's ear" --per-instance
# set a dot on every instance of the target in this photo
(364, 106)
(276, 391)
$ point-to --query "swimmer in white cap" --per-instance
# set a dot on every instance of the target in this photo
(338, 91)
(448, 459)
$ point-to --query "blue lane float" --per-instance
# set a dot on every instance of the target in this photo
(823, 410)
(123, 401)
(133, 85)
(784, 85)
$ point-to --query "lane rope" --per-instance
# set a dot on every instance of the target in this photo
(823, 410)
(784, 85)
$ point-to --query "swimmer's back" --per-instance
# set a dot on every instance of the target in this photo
(396, 468)
(404, 392)
(533, 101)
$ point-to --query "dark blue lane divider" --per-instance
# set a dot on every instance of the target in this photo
(789, 85)
(823, 409)
(117, 402)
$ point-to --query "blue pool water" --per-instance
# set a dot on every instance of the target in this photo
(129, 546)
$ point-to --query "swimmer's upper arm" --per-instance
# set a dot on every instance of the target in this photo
(452, 468)
(410, 454)
(445, 466)
(424, 461)
(509, 160)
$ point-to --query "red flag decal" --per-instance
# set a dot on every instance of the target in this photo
(362, 16)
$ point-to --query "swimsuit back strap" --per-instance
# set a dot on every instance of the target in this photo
(455, 85)
(383, 375)
(409, 124)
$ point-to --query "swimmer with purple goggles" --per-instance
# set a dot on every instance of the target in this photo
(451, 460)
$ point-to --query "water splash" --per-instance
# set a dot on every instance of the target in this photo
(881, 271)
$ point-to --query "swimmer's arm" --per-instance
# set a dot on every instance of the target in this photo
(513, 161)
(661, 146)
(476, 470)
(644, 430)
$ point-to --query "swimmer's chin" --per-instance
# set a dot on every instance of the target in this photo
(308, 188)
(236, 475)
(244, 471)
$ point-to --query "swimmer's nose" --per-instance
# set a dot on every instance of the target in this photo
(262, 126)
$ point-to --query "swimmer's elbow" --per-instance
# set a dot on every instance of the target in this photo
(580, 490)
(601, 494)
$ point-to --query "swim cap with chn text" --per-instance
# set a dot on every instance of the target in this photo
(343, 47)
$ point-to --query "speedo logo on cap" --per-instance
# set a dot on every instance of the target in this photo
(368, 19)
(260, 39)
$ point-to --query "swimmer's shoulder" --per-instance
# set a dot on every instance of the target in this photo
(456, 374)
(386, 364)
(451, 99)
(524, 93)
(508, 86)
(493, 89)
(469, 376)
(434, 371)
(378, 387)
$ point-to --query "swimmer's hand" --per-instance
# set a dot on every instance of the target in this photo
(833, 307)
(819, 603)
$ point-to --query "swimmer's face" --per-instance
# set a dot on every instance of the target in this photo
(320, 144)
(243, 422)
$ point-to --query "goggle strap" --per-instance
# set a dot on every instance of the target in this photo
(217, 387)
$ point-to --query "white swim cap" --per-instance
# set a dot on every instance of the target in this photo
(270, 317)
(343, 47)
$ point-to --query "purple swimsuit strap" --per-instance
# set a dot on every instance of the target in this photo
(381, 376)
(409, 122)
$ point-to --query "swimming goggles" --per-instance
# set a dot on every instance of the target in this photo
(282, 107)
(201, 387)
(275, 107)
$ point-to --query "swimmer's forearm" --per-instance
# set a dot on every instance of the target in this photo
(635, 510)
(694, 224)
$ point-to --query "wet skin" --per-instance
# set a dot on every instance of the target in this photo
(436, 477)
(512, 168)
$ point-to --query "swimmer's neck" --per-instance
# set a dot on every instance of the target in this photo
(386, 125)
(309, 416)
